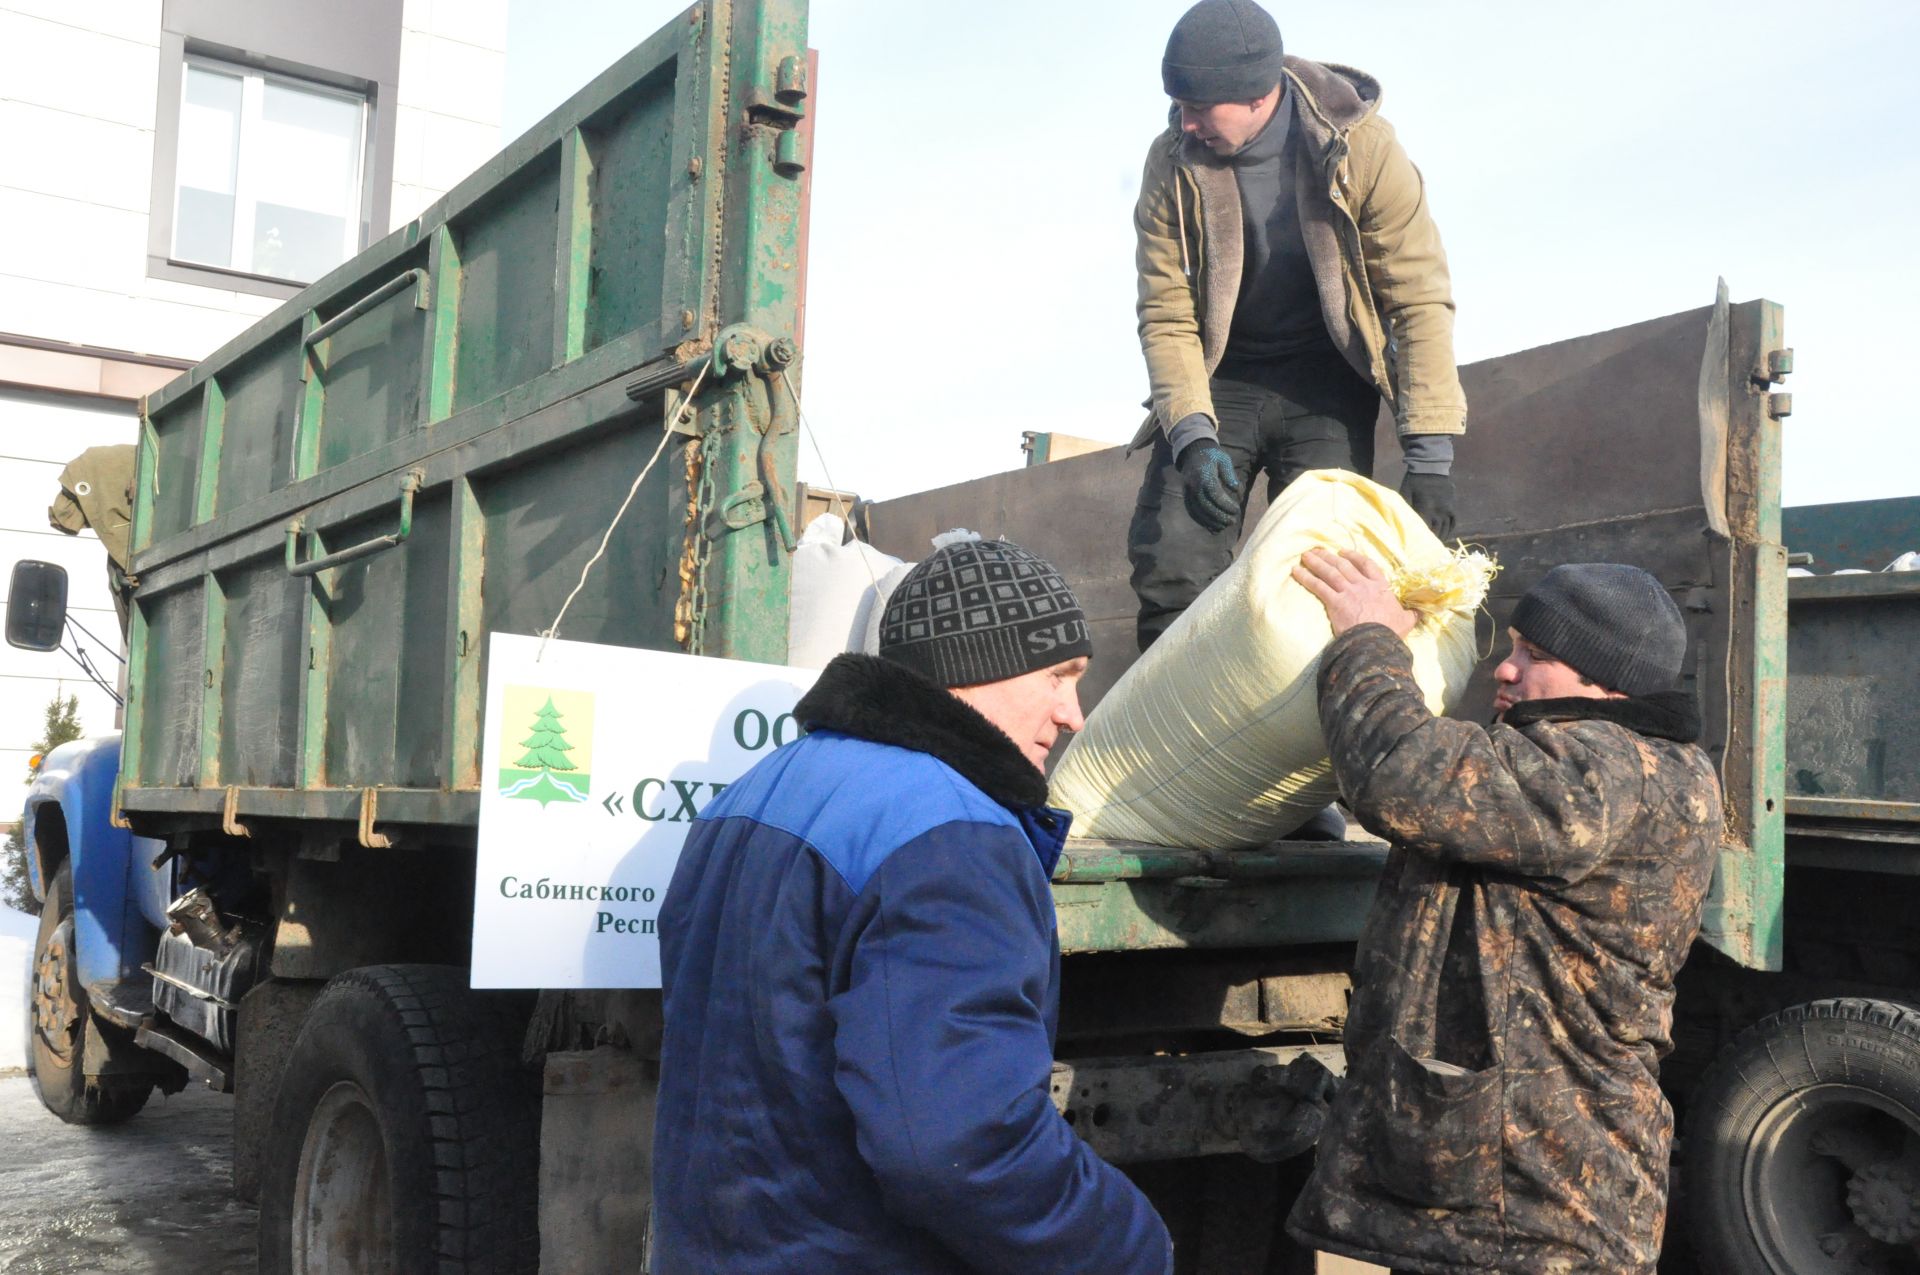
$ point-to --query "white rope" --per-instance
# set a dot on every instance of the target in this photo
(686, 406)
(833, 488)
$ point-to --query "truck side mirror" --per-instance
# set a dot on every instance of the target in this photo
(37, 605)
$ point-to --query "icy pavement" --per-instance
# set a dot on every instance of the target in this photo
(151, 1195)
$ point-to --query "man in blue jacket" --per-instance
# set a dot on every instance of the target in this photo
(861, 967)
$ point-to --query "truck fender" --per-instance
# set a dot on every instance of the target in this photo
(118, 895)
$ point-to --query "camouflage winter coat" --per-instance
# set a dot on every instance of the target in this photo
(1513, 990)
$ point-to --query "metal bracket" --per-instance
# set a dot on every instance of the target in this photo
(741, 350)
(369, 809)
(410, 483)
(739, 511)
(230, 815)
(786, 106)
(417, 279)
(116, 813)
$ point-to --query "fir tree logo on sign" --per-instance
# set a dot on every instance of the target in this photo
(552, 750)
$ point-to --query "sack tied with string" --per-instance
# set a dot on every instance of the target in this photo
(1212, 739)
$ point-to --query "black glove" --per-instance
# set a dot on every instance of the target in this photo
(1431, 496)
(1213, 493)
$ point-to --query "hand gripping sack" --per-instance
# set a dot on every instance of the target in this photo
(1212, 739)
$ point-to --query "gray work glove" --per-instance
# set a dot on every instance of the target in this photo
(1428, 486)
(1213, 493)
(1431, 496)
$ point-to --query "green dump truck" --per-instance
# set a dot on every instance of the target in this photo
(336, 510)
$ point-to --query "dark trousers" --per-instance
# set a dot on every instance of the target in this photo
(1282, 418)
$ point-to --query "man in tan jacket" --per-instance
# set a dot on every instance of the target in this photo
(1290, 279)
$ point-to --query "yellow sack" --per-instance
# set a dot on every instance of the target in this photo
(1212, 739)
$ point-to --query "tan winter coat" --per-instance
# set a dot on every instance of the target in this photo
(1513, 990)
(1384, 289)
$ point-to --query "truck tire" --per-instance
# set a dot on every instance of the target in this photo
(1802, 1154)
(405, 1136)
(59, 1021)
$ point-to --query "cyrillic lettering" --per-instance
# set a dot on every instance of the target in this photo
(689, 806)
(759, 728)
(640, 801)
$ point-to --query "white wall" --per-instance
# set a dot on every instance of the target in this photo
(79, 85)
(17, 931)
(39, 434)
(453, 71)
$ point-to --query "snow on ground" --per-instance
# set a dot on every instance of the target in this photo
(16, 959)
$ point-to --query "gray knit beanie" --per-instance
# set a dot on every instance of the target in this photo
(983, 611)
(1613, 624)
(1222, 51)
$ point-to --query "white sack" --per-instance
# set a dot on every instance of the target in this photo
(1212, 739)
(874, 607)
(833, 587)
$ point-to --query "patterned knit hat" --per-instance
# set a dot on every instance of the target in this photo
(983, 611)
(1613, 624)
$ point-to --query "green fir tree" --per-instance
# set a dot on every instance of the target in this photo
(547, 747)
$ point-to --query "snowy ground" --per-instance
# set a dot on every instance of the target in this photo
(150, 1196)
(16, 956)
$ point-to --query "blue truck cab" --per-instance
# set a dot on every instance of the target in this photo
(104, 895)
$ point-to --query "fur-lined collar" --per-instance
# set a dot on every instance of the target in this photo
(1663, 715)
(1326, 98)
(889, 703)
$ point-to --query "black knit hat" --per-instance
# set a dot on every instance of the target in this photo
(982, 611)
(1222, 51)
(1613, 624)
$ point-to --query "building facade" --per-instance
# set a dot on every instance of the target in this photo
(170, 171)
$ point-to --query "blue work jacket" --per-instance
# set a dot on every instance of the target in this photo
(861, 967)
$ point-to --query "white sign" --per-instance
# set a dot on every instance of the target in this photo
(594, 763)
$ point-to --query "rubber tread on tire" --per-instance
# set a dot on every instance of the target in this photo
(64, 1090)
(1868, 1045)
(458, 1116)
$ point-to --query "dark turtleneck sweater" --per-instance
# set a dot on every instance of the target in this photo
(1277, 314)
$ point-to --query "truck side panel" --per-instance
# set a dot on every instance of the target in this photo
(429, 444)
(1636, 445)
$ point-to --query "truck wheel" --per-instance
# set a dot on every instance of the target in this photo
(1803, 1144)
(405, 1136)
(60, 1022)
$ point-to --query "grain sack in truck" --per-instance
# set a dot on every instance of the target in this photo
(1212, 739)
(835, 582)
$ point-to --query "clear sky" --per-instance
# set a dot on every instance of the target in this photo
(1589, 166)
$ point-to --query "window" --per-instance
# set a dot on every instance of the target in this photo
(267, 178)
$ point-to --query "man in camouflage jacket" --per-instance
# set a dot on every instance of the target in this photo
(1513, 989)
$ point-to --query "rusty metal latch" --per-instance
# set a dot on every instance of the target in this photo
(230, 815)
(116, 813)
(410, 483)
(369, 810)
(740, 510)
(746, 351)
